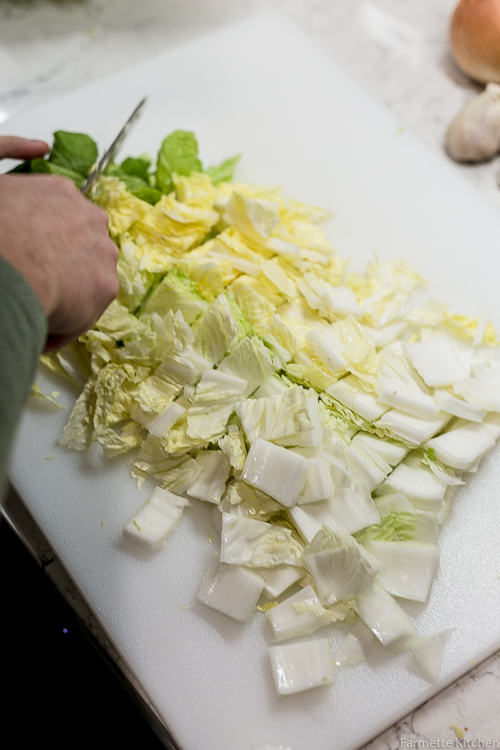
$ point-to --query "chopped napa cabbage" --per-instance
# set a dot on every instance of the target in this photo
(348, 341)
(420, 485)
(458, 407)
(272, 386)
(212, 404)
(387, 620)
(464, 327)
(463, 446)
(275, 274)
(436, 361)
(255, 544)
(319, 482)
(254, 218)
(394, 501)
(195, 189)
(279, 579)
(401, 521)
(492, 424)
(208, 277)
(172, 331)
(249, 360)
(288, 620)
(118, 323)
(232, 300)
(156, 520)
(398, 385)
(350, 510)
(428, 651)
(242, 498)
(276, 471)
(385, 335)
(232, 590)
(301, 666)
(176, 292)
(175, 473)
(289, 418)
(389, 451)
(351, 393)
(407, 567)
(384, 293)
(223, 172)
(356, 646)
(337, 566)
(217, 332)
(113, 443)
(481, 390)
(211, 482)
(362, 461)
(233, 445)
(350, 653)
(154, 395)
(407, 427)
(72, 362)
(158, 424)
(217, 387)
(123, 208)
(337, 300)
(36, 392)
(183, 368)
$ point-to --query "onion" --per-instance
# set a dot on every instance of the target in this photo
(475, 39)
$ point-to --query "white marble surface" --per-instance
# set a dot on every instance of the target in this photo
(396, 49)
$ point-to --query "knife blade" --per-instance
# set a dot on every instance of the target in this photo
(89, 186)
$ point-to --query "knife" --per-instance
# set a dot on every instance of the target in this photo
(89, 186)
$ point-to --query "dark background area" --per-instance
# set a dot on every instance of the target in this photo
(59, 686)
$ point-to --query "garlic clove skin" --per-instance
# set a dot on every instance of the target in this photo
(474, 134)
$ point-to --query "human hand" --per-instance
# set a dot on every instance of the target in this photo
(57, 240)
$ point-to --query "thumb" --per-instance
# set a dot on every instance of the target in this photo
(12, 147)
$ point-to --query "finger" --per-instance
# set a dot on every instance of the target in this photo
(12, 147)
(56, 341)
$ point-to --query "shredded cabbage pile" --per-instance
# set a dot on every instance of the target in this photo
(326, 415)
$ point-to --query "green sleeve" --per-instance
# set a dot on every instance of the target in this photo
(23, 332)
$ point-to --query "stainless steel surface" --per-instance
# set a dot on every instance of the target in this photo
(88, 187)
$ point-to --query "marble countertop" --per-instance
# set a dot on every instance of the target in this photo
(397, 51)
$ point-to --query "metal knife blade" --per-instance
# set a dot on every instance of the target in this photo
(89, 186)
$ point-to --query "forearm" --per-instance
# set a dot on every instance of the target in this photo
(23, 331)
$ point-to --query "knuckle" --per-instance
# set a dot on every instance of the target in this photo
(63, 183)
(98, 213)
(60, 186)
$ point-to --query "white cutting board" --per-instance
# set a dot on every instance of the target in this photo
(262, 89)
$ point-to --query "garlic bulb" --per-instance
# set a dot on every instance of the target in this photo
(475, 39)
(474, 134)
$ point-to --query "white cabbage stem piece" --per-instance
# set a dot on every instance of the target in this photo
(337, 566)
(428, 652)
(156, 520)
(231, 590)
(301, 666)
(300, 614)
(385, 618)
(275, 470)
(356, 646)
(278, 579)
(407, 567)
